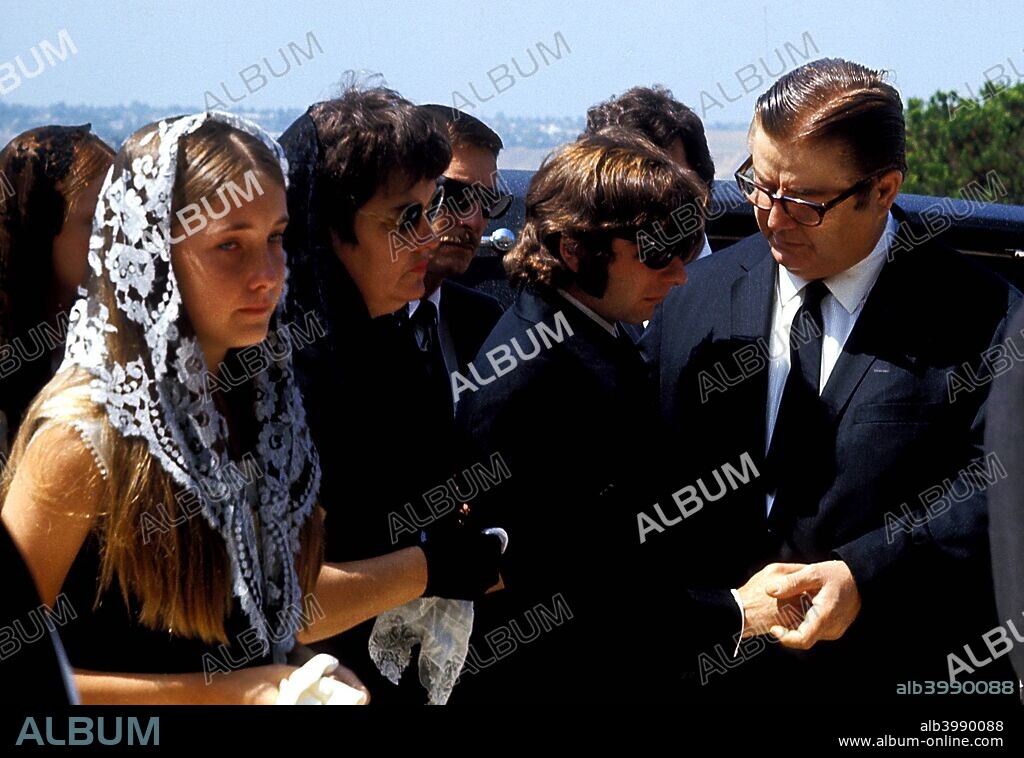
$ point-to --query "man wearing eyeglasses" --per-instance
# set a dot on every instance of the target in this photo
(450, 336)
(821, 348)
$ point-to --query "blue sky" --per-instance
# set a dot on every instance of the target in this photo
(171, 53)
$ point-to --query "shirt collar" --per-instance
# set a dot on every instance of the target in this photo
(849, 287)
(435, 298)
(608, 326)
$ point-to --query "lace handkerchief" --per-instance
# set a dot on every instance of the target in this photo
(441, 628)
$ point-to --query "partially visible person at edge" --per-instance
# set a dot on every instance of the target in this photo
(55, 173)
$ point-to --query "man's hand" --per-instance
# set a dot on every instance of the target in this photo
(761, 612)
(835, 602)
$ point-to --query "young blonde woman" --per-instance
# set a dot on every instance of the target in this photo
(137, 429)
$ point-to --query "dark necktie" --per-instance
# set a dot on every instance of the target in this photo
(797, 459)
(424, 328)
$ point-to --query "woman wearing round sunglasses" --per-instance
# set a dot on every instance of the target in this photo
(363, 171)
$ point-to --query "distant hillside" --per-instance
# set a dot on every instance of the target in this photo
(527, 139)
(114, 124)
(728, 148)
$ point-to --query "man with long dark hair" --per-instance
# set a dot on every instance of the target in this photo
(665, 121)
(559, 391)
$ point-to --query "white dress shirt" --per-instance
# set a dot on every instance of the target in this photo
(602, 322)
(840, 309)
(435, 298)
(704, 251)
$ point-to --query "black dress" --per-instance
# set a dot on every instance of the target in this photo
(30, 667)
(109, 637)
(383, 444)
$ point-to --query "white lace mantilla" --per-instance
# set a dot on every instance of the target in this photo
(155, 390)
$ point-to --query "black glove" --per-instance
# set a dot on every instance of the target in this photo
(462, 558)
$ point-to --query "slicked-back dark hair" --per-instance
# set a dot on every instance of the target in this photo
(835, 100)
(662, 119)
(464, 129)
(368, 139)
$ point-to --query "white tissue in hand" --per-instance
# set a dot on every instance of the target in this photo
(311, 685)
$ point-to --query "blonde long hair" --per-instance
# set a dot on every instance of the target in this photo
(180, 577)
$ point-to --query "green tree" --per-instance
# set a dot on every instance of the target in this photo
(953, 141)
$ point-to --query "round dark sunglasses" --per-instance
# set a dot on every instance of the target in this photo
(410, 215)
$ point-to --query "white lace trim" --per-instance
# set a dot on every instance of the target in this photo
(441, 628)
(158, 393)
(89, 432)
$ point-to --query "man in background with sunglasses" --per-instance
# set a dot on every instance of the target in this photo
(450, 335)
(820, 349)
(561, 393)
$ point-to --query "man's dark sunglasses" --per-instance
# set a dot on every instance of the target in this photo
(653, 252)
(460, 197)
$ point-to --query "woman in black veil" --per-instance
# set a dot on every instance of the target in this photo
(362, 183)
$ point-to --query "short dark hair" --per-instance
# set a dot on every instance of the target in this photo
(662, 119)
(613, 180)
(464, 129)
(835, 100)
(371, 138)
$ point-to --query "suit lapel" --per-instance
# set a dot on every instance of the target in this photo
(853, 363)
(885, 312)
(752, 299)
(446, 333)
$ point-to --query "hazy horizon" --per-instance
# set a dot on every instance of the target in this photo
(544, 59)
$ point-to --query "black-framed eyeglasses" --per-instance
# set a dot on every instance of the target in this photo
(804, 212)
(460, 197)
(410, 215)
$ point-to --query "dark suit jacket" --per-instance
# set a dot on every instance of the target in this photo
(1005, 438)
(468, 317)
(573, 425)
(894, 434)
